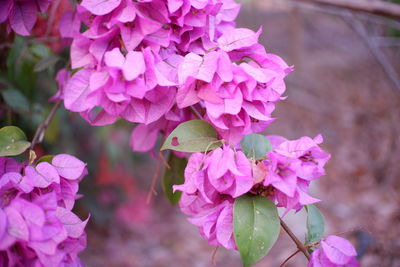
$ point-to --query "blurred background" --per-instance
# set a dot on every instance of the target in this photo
(345, 86)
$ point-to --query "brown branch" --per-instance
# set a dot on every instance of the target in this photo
(374, 7)
(373, 46)
(39, 134)
(288, 258)
(213, 256)
(299, 245)
(153, 182)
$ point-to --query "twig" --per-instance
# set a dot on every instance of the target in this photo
(196, 113)
(359, 28)
(374, 7)
(339, 12)
(213, 256)
(153, 182)
(299, 245)
(37, 138)
(291, 256)
(165, 162)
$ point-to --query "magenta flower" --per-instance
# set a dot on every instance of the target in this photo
(335, 251)
(289, 168)
(211, 184)
(214, 220)
(312, 157)
(37, 226)
(238, 84)
(21, 16)
(223, 170)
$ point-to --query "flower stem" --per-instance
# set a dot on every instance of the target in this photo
(299, 245)
(39, 134)
(288, 258)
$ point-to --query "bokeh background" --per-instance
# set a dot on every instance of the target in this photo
(345, 86)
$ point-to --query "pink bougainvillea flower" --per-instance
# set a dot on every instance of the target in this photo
(335, 252)
(238, 82)
(211, 184)
(229, 172)
(22, 15)
(290, 167)
(37, 226)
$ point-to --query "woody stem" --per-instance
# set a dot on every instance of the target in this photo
(299, 245)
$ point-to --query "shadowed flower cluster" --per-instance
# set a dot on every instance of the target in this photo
(21, 16)
(37, 225)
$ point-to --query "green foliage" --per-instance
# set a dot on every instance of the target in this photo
(174, 176)
(192, 136)
(256, 227)
(315, 224)
(12, 141)
(15, 100)
(255, 146)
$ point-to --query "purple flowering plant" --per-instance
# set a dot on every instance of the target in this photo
(180, 69)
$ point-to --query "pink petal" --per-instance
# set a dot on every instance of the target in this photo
(36, 179)
(224, 227)
(77, 90)
(46, 170)
(143, 138)
(238, 38)
(68, 166)
(187, 95)
(71, 222)
(218, 163)
(5, 7)
(134, 65)
(128, 14)
(80, 55)
(100, 7)
(114, 58)
(16, 224)
(338, 250)
(3, 223)
(174, 5)
(22, 17)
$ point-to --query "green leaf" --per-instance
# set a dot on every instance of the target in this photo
(14, 55)
(46, 63)
(315, 224)
(255, 146)
(192, 136)
(15, 100)
(40, 50)
(12, 141)
(174, 176)
(46, 158)
(255, 226)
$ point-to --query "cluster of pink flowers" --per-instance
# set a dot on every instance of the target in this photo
(214, 180)
(335, 252)
(21, 16)
(37, 225)
(290, 168)
(151, 62)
